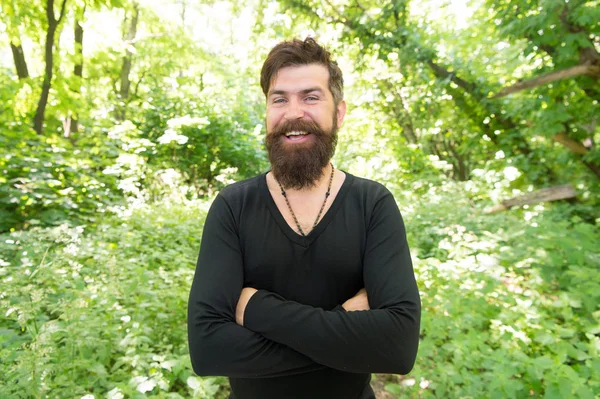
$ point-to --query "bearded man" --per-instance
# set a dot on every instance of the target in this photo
(304, 285)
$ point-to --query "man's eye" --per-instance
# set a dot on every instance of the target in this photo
(312, 98)
(278, 100)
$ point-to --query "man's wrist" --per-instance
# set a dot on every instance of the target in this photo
(245, 296)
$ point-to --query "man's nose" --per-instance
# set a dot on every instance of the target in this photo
(294, 111)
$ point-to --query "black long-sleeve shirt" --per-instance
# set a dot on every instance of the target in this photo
(297, 342)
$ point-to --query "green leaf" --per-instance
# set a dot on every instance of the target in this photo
(394, 389)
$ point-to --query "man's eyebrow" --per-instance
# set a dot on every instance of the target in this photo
(305, 91)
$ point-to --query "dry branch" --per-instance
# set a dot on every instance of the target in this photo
(577, 70)
(544, 195)
(571, 144)
(578, 148)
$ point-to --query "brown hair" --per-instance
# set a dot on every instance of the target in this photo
(296, 53)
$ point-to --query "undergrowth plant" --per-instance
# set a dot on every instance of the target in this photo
(510, 304)
(101, 312)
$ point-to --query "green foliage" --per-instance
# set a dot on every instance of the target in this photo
(46, 180)
(510, 302)
(101, 311)
(438, 79)
(206, 144)
(75, 176)
(101, 225)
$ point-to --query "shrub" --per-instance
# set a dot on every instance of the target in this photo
(102, 311)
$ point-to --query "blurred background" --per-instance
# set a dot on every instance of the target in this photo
(121, 119)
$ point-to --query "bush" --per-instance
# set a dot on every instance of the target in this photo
(102, 311)
(47, 180)
(510, 302)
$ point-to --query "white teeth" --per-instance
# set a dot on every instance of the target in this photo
(295, 134)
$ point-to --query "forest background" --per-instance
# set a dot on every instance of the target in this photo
(121, 119)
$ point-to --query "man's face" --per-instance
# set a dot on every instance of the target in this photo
(302, 122)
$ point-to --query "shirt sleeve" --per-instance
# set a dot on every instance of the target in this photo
(381, 340)
(218, 345)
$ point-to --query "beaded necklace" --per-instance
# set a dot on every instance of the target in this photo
(320, 211)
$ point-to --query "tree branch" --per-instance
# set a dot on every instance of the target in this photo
(577, 70)
(399, 110)
(577, 148)
(571, 144)
(62, 12)
(593, 168)
(360, 6)
(50, 11)
(443, 73)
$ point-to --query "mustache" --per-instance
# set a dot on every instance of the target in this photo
(297, 125)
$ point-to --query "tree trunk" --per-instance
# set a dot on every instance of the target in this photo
(20, 63)
(461, 170)
(403, 118)
(400, 111)
(127, 62)
(38, 124)
(183, 15)
(183, 12)
(78, 68)
(38, 121)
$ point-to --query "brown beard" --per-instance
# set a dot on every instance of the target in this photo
(299, 166)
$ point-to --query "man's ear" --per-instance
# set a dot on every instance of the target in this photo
(341, 113)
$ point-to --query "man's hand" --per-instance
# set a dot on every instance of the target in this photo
(360, 301)
(245, 296)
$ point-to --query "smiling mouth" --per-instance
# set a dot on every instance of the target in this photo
(296, 135)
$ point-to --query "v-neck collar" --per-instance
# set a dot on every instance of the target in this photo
(290, 233)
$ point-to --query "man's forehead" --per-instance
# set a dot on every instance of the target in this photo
(300, 78)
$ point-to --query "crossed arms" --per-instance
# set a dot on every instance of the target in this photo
(282, 337)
